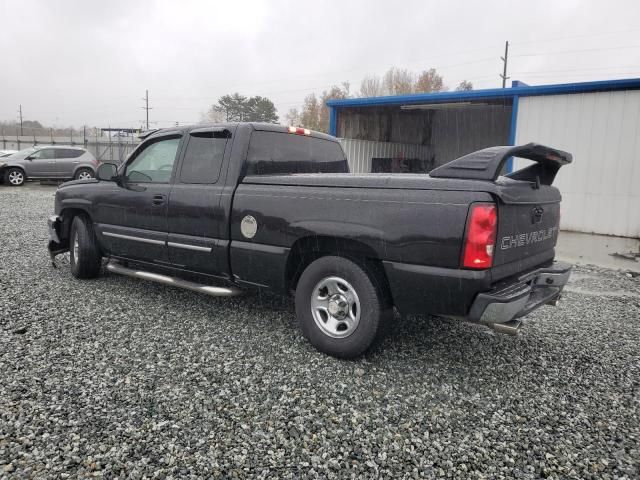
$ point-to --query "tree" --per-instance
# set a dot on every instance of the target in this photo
(310, 115)
(397, 81)
(214, 115)
(464, 85)
(238, 108)
(315, 113)
(429, 81)
(260, 109)
(371, 86)
(234, 107)
(32, 124)
(293, 117)
(334, 93)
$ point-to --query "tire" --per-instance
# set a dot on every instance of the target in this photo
(15, 177)
(340, 306)
(83, 249)
(83, 174)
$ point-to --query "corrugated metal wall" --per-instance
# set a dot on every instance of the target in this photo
(360, 152)
(601, 189)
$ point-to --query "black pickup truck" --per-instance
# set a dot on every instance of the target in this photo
(219, 209)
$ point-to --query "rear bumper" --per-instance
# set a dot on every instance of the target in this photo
(517, 297)
(473, 294)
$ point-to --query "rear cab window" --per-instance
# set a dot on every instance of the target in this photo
(275, 153)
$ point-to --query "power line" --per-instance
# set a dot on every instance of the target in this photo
(634, 67)
(568, 37)
(575, 51)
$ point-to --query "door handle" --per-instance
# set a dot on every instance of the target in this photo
(158, 199)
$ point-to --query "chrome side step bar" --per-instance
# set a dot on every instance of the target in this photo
(173, 281)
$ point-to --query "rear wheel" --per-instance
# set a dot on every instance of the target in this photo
(15, 177)
(84, 252)
(84, 174)
(339, 306)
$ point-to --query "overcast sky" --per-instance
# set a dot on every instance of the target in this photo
(89, 62)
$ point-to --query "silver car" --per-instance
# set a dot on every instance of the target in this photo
(48, 162)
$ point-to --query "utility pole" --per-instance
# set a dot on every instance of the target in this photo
(20, 112)
(504, 64)
(146, 106)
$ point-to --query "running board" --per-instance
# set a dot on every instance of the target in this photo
(173, 281)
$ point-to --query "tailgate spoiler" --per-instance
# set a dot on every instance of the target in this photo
(488, 163)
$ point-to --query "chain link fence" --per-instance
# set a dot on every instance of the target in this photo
(105, 146)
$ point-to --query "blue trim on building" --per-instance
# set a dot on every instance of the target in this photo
(493, 93)
(333, 121)
(512, 129)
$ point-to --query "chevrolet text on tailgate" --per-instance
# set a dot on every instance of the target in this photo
(228, 207)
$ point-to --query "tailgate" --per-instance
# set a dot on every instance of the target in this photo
(528, 205)
(526, 230)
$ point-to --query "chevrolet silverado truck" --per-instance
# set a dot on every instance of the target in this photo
(224, 208)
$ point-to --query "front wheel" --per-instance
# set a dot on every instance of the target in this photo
(84, 252)
(340, 306)
(14, 177)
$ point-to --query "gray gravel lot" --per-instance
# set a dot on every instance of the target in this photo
(118, 377)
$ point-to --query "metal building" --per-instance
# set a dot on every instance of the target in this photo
(599, 122)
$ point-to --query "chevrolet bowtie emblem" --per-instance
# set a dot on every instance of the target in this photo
(536, 214)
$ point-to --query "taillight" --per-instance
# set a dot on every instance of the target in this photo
(299, 131)
(480, 241)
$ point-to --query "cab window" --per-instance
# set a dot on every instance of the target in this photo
(154, 164)
(203, 157)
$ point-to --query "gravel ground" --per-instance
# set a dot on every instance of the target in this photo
(123, 378)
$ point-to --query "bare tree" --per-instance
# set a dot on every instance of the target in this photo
(292, 117)
(429, 81)
(310, 115)
(213, 115)
(398, 81)
(334, 93)
(464, 85)
(371, 86)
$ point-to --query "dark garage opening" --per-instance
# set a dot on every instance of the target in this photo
(415, 138)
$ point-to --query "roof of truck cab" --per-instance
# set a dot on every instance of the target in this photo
(260, 126)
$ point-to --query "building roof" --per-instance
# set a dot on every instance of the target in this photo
(518, 89)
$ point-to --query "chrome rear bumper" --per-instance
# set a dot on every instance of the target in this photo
(515, 298)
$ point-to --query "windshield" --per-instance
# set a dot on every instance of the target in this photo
(23, 153)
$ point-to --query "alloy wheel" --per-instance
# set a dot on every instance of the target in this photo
(16, 177)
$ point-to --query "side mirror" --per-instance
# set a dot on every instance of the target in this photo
(107, 172)
(29, 158)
